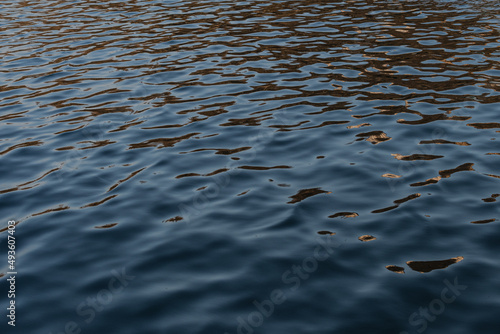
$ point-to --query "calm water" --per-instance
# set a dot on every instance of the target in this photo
(267, 167)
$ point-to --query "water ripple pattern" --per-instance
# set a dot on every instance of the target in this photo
(204, 167)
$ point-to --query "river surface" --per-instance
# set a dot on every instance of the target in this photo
(256, 167)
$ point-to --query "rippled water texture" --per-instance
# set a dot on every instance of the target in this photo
(251, 166)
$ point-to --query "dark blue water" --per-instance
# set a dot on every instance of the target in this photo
(267, 167)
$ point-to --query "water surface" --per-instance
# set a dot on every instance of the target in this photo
(338, 158)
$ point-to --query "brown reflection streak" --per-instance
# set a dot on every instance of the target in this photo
(305, 193)
(6, 227)
(398, 202)
(326, 233)
(414, 157)
(221, 151)
(391, 176)
(264, 168)
(126, 126)
(395, 269)
(99, 202)
(432, 118)
(485, 125)
(168, 126)
(426, 182)
(486, 221)
(336, 106)
(65, 148)
(12, 116)
(162, 142)
(324, 124)
(70, 130)
(20, 187)
(344, 215)
(374, 137)
(174, 219)
(366, 238)
(26, 144)
(407, 198)
(462, 168)
(126, 179)
(444, 174)
(250, 121)
(428, 266)
(220, 170)
(220, 109)
(281, 127)
(358, 126)
(187, 175)
(59, 208)
(442, 141)
(491, 199)
(397, 109)
(95, 144)
(106, 226)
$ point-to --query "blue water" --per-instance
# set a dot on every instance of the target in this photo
(256, 167)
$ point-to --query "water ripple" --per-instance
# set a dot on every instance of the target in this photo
(189, 142)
